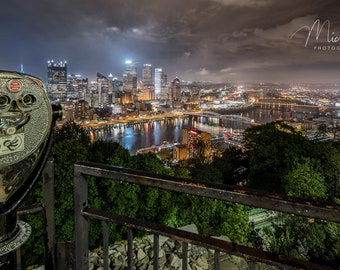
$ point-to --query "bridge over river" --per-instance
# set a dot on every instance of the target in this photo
(215, 118)
(117, 123)
(226, 117)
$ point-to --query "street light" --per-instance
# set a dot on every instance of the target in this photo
(26, 122)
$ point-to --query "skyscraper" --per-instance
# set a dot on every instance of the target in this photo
(77, 86)
(158, 82)
(161, 90)
(164, 87)
(147, 75)
(56, 73)
(103, 89)
(176, 90)
(56, 79)
(130, 80)
(117, 91)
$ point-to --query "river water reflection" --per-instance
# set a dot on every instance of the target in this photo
(143, 135)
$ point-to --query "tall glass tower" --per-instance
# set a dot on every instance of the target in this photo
(147, 75)
(158, 82)
(130, 77)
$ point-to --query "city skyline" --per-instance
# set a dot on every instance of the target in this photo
(197, 40)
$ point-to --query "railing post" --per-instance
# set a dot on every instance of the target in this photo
(217, 259)
(105, 244)
(184, 256)
(156, 251)
(81, 223)
(130, 248)
(48, 195)
(252, 265)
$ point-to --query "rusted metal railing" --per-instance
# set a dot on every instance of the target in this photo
(83, 211)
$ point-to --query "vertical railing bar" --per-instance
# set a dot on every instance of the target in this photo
(81, 223)
(185, 256)
(155, 251)
(18, 259)
(105, 244)
(130, 248)
(217, 260)
(49, 213)
(252, 265)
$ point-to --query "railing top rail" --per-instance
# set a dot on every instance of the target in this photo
(245, 196)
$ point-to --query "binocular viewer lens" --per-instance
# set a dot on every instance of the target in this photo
(4, 101)
(24, 102)
(27, 101)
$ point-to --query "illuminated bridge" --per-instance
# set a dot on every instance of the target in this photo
(130, 121)
(228, 117)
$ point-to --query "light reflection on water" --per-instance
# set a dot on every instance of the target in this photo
(142, 135)
(134, 137)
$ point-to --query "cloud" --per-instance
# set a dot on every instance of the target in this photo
(203, 72)
(240, 34)
(245, 3)
(113, 29)
(226, 70)
(206, 36)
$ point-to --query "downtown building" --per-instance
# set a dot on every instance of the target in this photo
(61, 86)
(129, 82)
(77, 87)
(146, 91)
(56, 79)
(161, 85)
(195, 143)
(103, 91)
(176, 94)
(147, 78)
(117, 90)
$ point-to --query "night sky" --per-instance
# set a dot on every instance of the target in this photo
(206, 40)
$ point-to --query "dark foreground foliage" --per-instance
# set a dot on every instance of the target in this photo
(276, 158)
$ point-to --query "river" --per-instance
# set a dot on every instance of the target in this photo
(143, 135)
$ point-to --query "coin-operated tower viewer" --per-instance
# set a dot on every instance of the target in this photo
(26, 123)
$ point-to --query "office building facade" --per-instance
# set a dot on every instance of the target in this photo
(147, 78)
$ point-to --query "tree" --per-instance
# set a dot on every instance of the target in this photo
(72, 131)
(180, 170)
(305, 181)
(233, 164)
(236, 224)
(207, 173)
(213, 217)
(35, 243)
(108, 152)
(149, 162)
(154, 203)
(70, 145)
(307, 239)
(66, 153)
(272, 148)
(327, 156)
